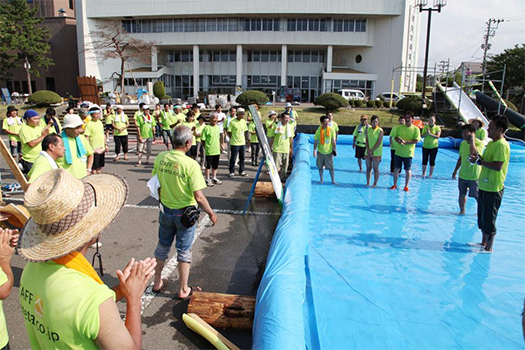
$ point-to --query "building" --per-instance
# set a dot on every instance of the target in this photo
(299, 49)
(59, 16)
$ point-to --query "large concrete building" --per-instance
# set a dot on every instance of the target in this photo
(297, 48)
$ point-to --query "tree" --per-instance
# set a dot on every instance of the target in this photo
(23, 42)
(514, 72)
(112, 41)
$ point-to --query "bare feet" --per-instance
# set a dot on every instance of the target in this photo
(462, 213)
(334, 183)
(184, 295)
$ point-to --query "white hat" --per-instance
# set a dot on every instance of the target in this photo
(94, 108)
(241, 110)
(272, 112)
(119, 107)
(72, 121)
(288, 104)
(145, 107)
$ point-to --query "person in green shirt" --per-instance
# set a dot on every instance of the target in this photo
(181, 185)
(374, 150)
(145, 129)
(94, 133)
(406, 136)
(179, 116)
(468, 172)
(8, 242)
(393, 143)
(431, 133)
(325, 141)
(109, 114)
(199, 126)
(78, 155)
(294, 116)
(50, 118)
(190, 124)
(236, 132)
(359, 142)
(167, 121)
(282, 144)
(31, 135)
(254, 141)
(270, 123)
(52, 149)
(139, 111)
(120, 125)
(333, 124)
(481, 133)
(210, 139)
(494, 164)
(12, 125)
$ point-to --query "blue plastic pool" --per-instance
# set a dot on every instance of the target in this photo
(389, 269)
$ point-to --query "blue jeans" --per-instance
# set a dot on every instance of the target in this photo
(236, 150)
(170, 228)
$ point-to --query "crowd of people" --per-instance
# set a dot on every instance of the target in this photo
(69, 209)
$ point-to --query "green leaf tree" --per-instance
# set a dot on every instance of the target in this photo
(24, 40)
(515, 73)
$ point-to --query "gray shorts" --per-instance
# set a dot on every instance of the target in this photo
(144, 146)
(326, 160)
(468, 185)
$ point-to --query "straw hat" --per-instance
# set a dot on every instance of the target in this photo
(477, 119)
(19, 215)
(66, 213)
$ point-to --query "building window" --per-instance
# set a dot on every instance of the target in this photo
(70, 4)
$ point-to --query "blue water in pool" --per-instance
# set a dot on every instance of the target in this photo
(389, 269)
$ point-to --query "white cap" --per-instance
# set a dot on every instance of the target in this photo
(119, 107)
(241, 110)
(72, 121)
(145, 107)
(272, 112)
(288, 104)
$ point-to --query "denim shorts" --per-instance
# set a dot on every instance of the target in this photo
(170, 229)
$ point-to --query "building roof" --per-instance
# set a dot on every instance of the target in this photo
(474, 67)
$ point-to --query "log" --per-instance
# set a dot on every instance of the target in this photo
(223, 310)
(13, 165)
(264, 189)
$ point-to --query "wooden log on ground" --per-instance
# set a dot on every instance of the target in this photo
(223, 310)
(264, 189)
(13, 165)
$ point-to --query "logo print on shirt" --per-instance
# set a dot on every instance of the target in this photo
(39, 306)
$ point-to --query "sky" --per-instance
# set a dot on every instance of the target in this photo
(457, 32)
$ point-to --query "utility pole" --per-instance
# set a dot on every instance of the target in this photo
(491, 31)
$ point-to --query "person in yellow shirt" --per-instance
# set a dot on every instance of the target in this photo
(108, 114)
(120, 124)
(8, 242)
(431, 133)
(236, 132)
(374, 150)
(31, 135)
(325, 138)
(78, 155)
(52, 149)
(407, 136)
(359, 143)
(12, 125)
(95, 135)
(50, 118)
(393, 143)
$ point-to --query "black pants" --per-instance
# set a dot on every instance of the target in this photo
(488, 206)
(430, 153)
(26, 166)
(392, 160)
(234, 151)
(121, 141)
(255, 151)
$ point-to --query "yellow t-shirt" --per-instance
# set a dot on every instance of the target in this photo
(327, 146)
(108, 116)
(13, 125)
(469, 171)
(40, 166)
(120, 121)
(191, 125)
(52, 129)
(29, 133)
(360, 135)
(79, 166)
(394, 144)
(408, 134)
(430, 142)
(179, 177)
(95, 134)
(199, 127)
(253, 133)
(4, 337)
(492, 180)
(237, 128)
(373, 136)
(61, 306)
(481, 134)
(86, 120)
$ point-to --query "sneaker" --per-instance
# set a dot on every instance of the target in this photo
(405, 189)
(393, 187)
(209, 183)
(224, 152)
(243, 174)
(231, 176)
(216, 181)
(96, 245)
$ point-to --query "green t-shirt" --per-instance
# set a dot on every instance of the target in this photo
(79, 166)
(393, 143)
(360, 135)
(253, 133)
(61, 306)
(146, 125)
(469, 171)
(191, 125)
(492, 180)
(237, 128)
(29, 133)
(108, 116)
(335, 127)
(211, 135)
(13, 125)
(40, 166)
(179, 177)
(198, 128)
(166, 119)
(120, 121)
(408, 134)
(4, 337)
(181, 117)
(52, 129)
(373, 136)
(281, 143)
(270, 125)
(430, 142)
(481, 134)
(137, 113)
(327, 146)
(95, 133)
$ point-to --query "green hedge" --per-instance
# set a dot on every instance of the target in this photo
(44, 98)
(331, 101)
(359, 103)
(370, 103)
(378, 103)
(158, 90)
(411, 103)
(251, 97)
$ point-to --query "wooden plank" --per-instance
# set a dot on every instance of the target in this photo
(264, 189)
(214, 331)
(13, 165)
(224, 310)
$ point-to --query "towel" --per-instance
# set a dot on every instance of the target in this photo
(50, 160)
(12, 121)
(78, 262)
(154, 185)
(81, 150)
(285, 130)
(325, 133)
(55, 123)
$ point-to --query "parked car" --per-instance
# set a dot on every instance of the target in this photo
(352, 94)
(387, 96)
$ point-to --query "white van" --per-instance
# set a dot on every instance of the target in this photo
(352, 94)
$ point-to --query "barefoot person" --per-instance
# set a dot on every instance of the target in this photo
(431, 133)
(281, 144)
(180, 191)
(393, 143)
(359, 143)
(325, 138)
(468, 172)
(406, 136)
(494, 164)
(374, 150)
(65, 303)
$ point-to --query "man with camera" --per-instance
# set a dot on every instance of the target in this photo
(181, 182)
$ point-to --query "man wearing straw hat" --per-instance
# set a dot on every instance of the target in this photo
(64, 302)
(78, 155)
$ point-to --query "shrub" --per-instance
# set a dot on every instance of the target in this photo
(351, 103)
(378, 103)
(511, 105)
(158, 90)
(331, 101)
(410, 103)
(44, 98)
(394, 103)
(358, 103)
(252, 97)
(370, 103)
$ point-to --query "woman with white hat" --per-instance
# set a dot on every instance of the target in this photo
(65, 303)
(481, 133)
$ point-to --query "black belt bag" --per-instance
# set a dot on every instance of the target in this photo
(190, 216)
